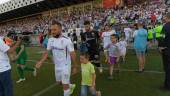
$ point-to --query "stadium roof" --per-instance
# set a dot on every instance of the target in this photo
(38, 7)
(4, 1)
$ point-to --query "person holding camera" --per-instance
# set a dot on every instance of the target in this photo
(6, 88)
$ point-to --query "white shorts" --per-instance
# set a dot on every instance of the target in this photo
(123, 53)
(63, 75)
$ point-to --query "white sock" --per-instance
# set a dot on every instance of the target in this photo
(67, 92)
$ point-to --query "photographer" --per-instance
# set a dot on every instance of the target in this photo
(6, 88)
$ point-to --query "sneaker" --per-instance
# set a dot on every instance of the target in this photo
(20, 80)
(98, 93)
(72, 87)
(35, 72)
(101, 70)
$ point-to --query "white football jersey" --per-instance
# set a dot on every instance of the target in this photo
(106, 38)
(61, 48)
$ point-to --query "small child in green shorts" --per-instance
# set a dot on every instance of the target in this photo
(21, 57)
(88, 77)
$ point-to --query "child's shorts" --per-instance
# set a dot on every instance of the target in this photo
(112, 60)
(140, 52)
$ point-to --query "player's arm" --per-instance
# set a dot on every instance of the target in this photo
(43, 58)
(119, 51)
(106, 53)
(45, 54)
(93, 76)
(13, 48)
(93, 79)
(70, 48)
(74, 59)
(20, 52)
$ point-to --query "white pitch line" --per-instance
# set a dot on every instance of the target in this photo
(128, 70)
(35, 61)
(45, 90)
(157, 72)
(131, 70)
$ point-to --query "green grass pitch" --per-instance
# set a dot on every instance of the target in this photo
(126, 83)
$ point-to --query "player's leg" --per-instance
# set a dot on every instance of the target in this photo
(111, 67)
(139, 57)
(84, 90)
(96, 60)
(124, 56)
(20, 72)
(26, 68)
(67, 86)
(106, 54)
(143, 61)
(6, 83)
(58, 76)
(118, 64)
(1, 85)
(112, 61)
(92, 91)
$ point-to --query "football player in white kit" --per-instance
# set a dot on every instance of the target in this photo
(63, 52)
(106, 38)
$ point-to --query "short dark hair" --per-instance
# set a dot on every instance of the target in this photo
(86, 55)
(87, 23)
(115, 35)
(168, 15)
(55, 22)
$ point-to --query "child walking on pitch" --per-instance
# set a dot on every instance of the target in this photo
(123, 46)
(113, 55)
(21, 58)
(88, 76)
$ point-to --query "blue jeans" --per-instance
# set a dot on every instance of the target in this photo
(6, 88)
(85, 89)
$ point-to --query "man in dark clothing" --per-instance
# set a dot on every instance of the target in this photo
(74, 36)
(92, 39)
(164, 46)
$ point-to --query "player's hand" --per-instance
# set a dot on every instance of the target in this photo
(106, 60)
(74, 70)
(92, 87)
(38, 65)
(15, 58)
(19, 40)
(117, 60)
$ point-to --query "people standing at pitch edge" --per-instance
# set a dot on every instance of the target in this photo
(92, 39)
(140, 45)
(6, 88)
(74, 39)
(164, 46)
(63, 51)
